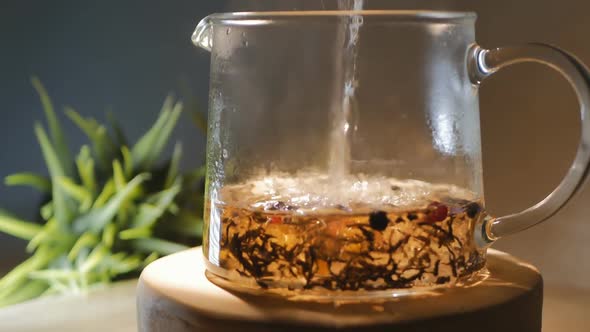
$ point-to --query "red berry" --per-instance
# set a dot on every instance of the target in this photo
(276, 220)
(437, 212)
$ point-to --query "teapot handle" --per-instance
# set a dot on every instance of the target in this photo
(481, 64)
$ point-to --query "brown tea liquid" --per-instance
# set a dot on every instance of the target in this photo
(289, 235)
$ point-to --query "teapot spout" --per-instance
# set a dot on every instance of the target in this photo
(203, 35)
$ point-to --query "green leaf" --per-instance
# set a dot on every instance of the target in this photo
(96, 219)
(59, 141)
(51, 233)
(47, 211)
(155, 207)
(108, 235)
(30, 290)
(164, 134)
(19, 275)
(52, 274)
(18, 228)
(118, 175)
(102, 144)
(36, 181)
(79, 193)
(52, 159)
(94, 259)
(127, 161)
(185, 224)
(150, 258)
(85, 165)
(143, 151)
(120, 263)
(196, 175)
(86, 240)
(200, 121)
(119, 135)
(159, 246)
(135, 233)
(146, 215)
(173, 168)
(193, 107)
(62, 208)
(107, 192)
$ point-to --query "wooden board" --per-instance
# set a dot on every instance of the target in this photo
(175, 296)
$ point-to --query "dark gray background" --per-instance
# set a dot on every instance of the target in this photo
(127, 55)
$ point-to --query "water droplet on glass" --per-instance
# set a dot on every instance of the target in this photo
(245, 43)
(228, 31)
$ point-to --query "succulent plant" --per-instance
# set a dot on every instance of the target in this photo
(111, 209)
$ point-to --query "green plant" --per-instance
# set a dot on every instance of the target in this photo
(111, 209)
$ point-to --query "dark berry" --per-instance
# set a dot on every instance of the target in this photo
(437, 212)
(378, 220)
(278, 206)
(472, 209)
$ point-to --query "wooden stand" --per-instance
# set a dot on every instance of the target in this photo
(175, 296)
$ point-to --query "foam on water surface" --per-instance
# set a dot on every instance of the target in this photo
(352, 193)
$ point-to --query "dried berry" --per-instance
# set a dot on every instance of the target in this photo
(278, 206)
(378, 220)
(437, 212)
(472, 209)
(276, 220)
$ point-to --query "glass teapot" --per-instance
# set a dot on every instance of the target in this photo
(344, 150)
